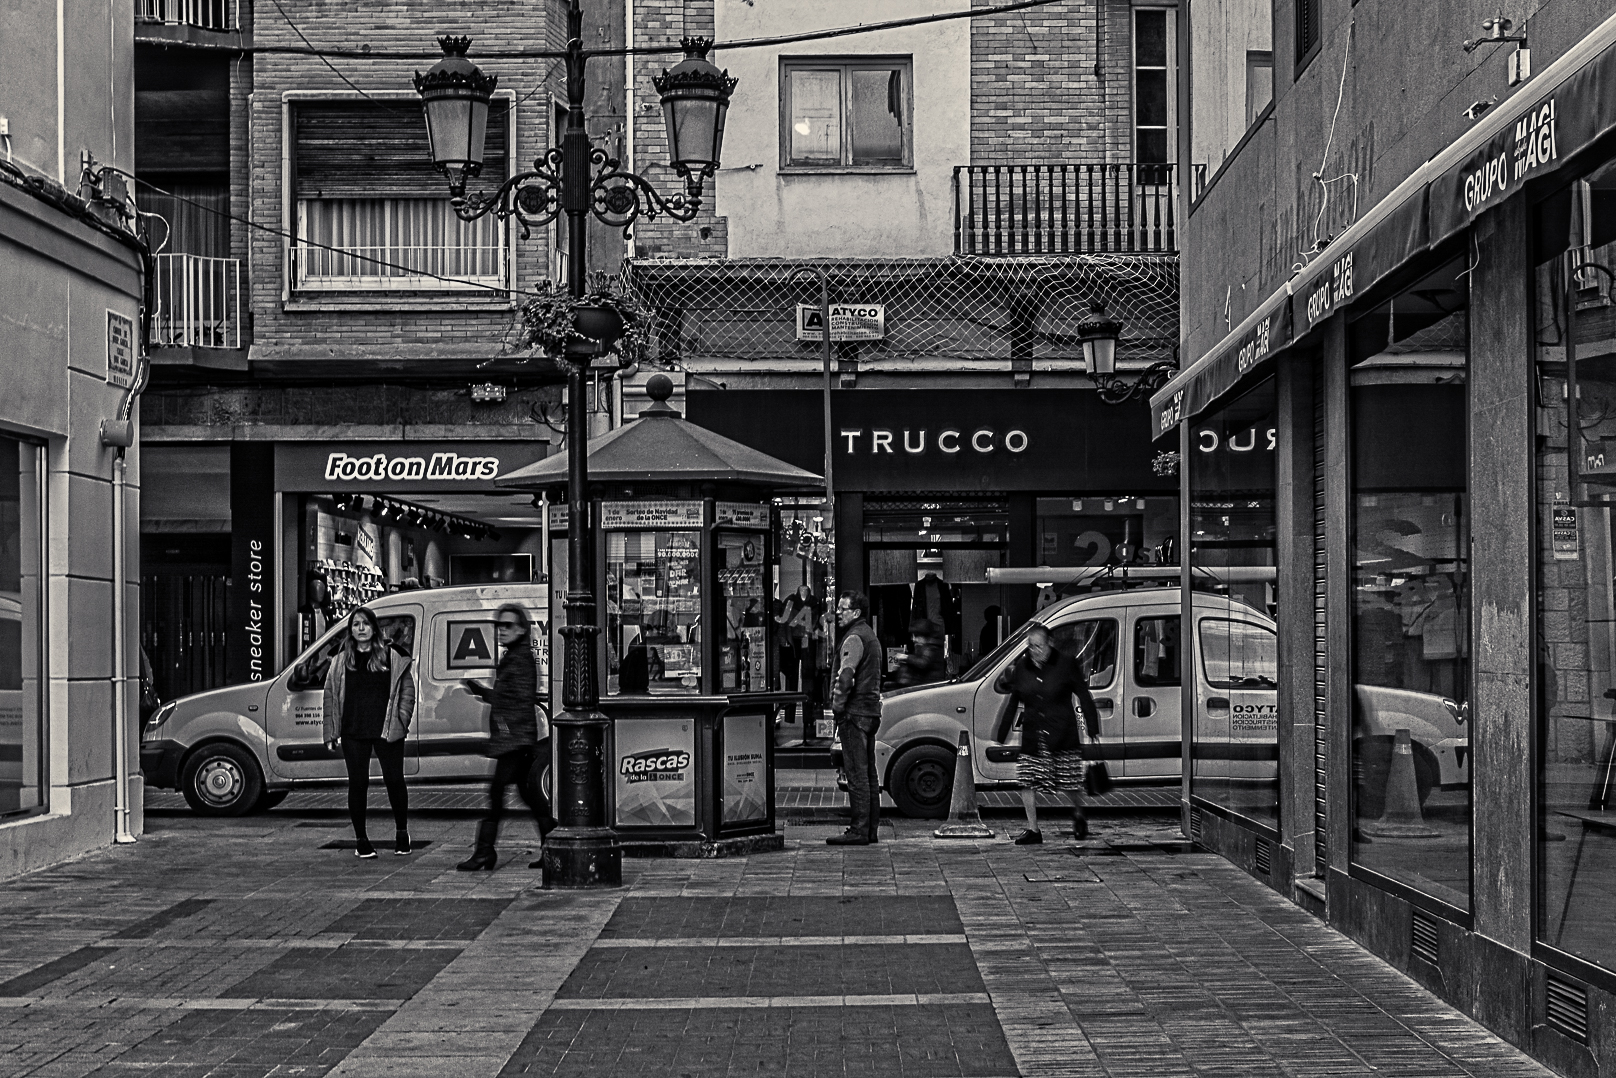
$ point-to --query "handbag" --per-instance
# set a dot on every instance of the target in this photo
(1097, 776)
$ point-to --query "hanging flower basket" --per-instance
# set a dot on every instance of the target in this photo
(587, 326)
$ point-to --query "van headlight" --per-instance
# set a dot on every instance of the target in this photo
(158, 718)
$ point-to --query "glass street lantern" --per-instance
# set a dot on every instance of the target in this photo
(695, 99)
(1099, 336)
(455, 94)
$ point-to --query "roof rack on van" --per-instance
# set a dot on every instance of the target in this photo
(1124, 575)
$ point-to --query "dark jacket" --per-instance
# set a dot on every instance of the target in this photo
(512, 721)
(924, 665)
(400, 696)
(1046, 693)
(857, 691)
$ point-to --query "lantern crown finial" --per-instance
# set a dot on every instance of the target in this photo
(454, 72)
(695, 72)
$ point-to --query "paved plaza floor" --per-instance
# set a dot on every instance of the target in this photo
(259, 946)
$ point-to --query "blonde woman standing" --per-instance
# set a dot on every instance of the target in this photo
(369, 702)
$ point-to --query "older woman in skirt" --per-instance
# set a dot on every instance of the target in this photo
(1044, 681)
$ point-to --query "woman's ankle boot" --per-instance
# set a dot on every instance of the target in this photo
(483, 855)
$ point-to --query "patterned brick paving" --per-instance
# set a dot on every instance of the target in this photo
(240, 948)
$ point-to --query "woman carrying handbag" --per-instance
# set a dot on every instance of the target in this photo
(517, 744)
(1044, 681)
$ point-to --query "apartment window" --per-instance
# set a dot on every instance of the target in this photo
(846, 114)
(371, 211)
(1153, 104)
(1259, 83)
(1307, 32)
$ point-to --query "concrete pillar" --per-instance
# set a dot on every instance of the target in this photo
(1338, 596)
(1293, 513)
(1501, 575)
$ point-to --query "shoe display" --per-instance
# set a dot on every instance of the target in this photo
(1030, 837)
(401, 842)
(848, 838)
(365, 849)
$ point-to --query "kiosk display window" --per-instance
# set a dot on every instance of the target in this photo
(653, 596)
(743, 656)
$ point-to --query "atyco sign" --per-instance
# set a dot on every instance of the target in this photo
(848, 322)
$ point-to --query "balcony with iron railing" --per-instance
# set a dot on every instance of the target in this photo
(220, 16)
(1072, 208)
(197, 302)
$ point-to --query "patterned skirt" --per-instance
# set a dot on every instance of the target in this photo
(1051, 772)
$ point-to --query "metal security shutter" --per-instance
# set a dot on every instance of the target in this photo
(1321, 662)
(378, 149)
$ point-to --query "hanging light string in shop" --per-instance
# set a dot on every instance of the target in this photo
(409, 515)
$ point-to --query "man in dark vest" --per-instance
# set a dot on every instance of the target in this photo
(855, 701)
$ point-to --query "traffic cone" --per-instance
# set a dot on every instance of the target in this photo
(1401, 817)
(964, 821)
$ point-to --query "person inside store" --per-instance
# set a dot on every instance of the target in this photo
(518, 739)
(369, 702)
(925, 664)
(855, 701)
(796, 640)
(1044, 681)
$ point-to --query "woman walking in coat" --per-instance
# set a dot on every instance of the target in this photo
(369, 702)
(1044, 681)
(515, 740)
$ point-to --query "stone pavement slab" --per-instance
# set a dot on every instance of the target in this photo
(221, 948)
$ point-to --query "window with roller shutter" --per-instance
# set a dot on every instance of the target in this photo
(373, 213)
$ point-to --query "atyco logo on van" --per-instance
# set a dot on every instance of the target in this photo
(658, 765)
(379, 466)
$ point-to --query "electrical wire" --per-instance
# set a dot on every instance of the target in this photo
(1340, 95)
(366, 53)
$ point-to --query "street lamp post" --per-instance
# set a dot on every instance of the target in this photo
(577, 179)
(1099, 334)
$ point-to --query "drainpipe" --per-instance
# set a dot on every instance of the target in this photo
(119, 434)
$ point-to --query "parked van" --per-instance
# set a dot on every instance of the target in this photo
(1127, 643)
(235, 749)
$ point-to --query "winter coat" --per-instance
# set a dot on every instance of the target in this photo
(513, 720)
(1046, 692)
(400, 696)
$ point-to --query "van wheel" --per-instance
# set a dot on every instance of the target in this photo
(221, 780)
(921, 781)
(269, 799)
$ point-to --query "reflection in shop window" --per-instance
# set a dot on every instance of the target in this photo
(23, 784)
(1410, 580)
(1234, 753)
(1155, 652)
(1576, 607)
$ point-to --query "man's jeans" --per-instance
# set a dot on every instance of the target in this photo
(858, 762)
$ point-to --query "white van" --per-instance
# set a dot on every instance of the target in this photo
(235, 749)
(1138, 698)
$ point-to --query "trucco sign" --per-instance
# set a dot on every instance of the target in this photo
(377, 466)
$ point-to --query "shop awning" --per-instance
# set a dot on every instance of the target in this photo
(1561, 112)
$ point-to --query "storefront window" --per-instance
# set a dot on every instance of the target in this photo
(23, 785)
(1235, 751)
(1410, 579)
(653, 597)
(1576, 609)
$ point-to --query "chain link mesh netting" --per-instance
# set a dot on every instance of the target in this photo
(953, 308)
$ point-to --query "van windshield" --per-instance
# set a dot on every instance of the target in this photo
(1011, 643)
